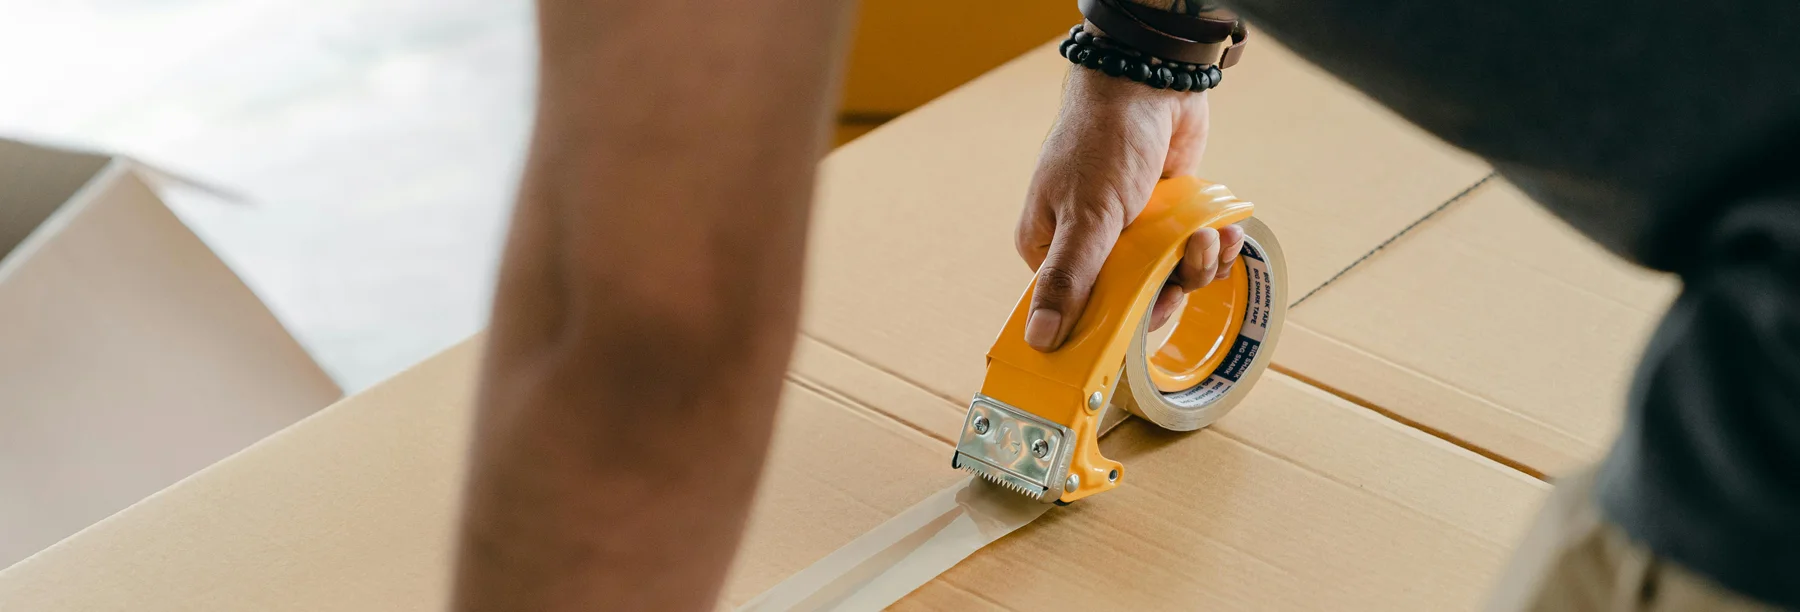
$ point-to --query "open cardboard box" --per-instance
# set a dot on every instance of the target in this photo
(130, 356)
(1297, 500)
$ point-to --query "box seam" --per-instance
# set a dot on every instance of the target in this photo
(1423, 377)
(1458, 197)
(1334, 480)
(832, 394)
(1383, 411)
(1411, 423)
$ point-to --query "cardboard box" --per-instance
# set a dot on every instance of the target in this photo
(1493, 323)
(130, 356)
(1297, 500)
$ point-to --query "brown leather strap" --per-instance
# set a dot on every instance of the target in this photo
(1122, 25)
(1210, 28)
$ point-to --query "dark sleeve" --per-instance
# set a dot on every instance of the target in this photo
(1630, 120)
(1668, 132)
(1705, 468)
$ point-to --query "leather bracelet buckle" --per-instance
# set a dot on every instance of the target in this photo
(1234, 52)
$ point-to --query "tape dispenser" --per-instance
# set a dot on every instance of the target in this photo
(1034, 428)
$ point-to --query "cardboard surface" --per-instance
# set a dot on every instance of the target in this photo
(350, 509)
(132, 357)
(1493, 323)
(911, 272)
(354, 508)
(1294, 501)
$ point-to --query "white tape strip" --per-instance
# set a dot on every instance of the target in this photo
(896, 557)
(881, 566)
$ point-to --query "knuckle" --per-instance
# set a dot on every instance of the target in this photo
(1055, 284)
(1204, 239)
(1095, 216)
(1026, 243)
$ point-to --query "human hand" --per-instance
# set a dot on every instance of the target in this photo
(1112, 142)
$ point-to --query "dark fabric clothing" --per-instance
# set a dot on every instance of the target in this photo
(1670, 133)
(1625, 118)
(1706, 470)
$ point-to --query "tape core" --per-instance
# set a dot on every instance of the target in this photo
(1220, 357)
(1247, 304)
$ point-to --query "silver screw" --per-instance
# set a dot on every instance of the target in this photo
(1073, 483)
(1040, 448)
(981, 425)
(1094, 401)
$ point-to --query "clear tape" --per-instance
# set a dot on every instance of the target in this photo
(881, 566)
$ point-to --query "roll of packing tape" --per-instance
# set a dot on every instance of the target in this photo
(1202, 363)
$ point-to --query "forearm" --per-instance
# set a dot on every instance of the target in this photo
(647, 301)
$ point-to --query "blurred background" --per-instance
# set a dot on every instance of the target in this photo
(364, 153)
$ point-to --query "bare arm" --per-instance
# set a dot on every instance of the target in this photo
(647, 300)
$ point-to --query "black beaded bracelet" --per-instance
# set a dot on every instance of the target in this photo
(1100, 53)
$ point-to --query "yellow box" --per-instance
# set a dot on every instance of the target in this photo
(907, 52)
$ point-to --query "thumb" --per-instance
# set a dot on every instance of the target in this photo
(1076, 253)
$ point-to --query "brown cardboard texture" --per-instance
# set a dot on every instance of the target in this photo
(1493, 323)
(1298, 500)
(353, 508)
(132, 357)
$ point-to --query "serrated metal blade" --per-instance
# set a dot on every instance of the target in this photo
(999, 477)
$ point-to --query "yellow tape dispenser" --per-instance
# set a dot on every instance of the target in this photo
(1035, 426)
